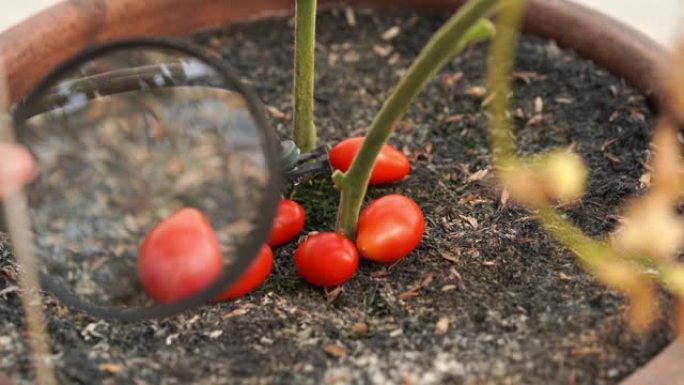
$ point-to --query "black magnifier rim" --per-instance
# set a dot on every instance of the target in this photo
(267, 206)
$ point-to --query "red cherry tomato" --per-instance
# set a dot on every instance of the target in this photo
(326, 259)
(255, 275)
(288, 222)
(391, 165)
(389, 228)
(180, 257)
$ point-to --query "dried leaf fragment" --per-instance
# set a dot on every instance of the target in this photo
(331, 296)
(236, 313)
(383, 50)
(391, 33)
(215, 334)
(505, 196)
(277, 114)
(472, 221)
(350, 15)
(408, 294)
(111, 367)
(538, 105)
(451, 79)
(335, 350)
(360, 328)
(442, 326)
(478, 175)
(528, 76)
(414, 290)
(449, 256)
(476, 92)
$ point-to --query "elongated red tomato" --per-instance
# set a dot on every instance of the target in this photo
(180, 257)
(390, 166)
(288, 222)
(390, 228)
(255, 275)
(326, 259)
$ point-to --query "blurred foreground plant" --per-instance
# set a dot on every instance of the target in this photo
(640, 254)
(21, 237)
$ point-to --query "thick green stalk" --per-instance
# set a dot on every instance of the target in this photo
(305, 45)
(464, 27)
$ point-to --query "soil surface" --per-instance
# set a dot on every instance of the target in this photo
(488, 298)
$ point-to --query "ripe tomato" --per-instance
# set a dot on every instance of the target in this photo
(180, 257)
(390, 166)
(288, 222)
(326, 259)
(389, 228)
(255, 275)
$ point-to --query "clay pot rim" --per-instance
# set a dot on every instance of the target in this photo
(48, 38)
(33, 47)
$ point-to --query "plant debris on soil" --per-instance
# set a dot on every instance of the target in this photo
(488, 297)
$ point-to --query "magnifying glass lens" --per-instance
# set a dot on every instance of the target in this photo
(156, 179)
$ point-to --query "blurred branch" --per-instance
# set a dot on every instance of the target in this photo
(530, 181)
(21, 238)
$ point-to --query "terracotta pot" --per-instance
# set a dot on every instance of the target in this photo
(32, 48)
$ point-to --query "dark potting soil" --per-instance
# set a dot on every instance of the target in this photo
(488, 297)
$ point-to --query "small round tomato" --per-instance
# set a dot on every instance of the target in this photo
(390, 166)
(180, 257)
(326, 259)
(255, 275)
(288, 222)
(389, 228)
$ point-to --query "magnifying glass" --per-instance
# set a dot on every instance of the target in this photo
(128, 134)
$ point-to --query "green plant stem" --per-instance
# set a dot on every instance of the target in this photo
(595, 255)
(592, 253)
(499, 66)
(305, 46)
(464, 27)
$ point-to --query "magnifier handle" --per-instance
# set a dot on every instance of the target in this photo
(116, 82)
(293, 163)
(296, 165)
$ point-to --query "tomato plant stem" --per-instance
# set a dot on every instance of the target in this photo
(305, 44)
(464, 27)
